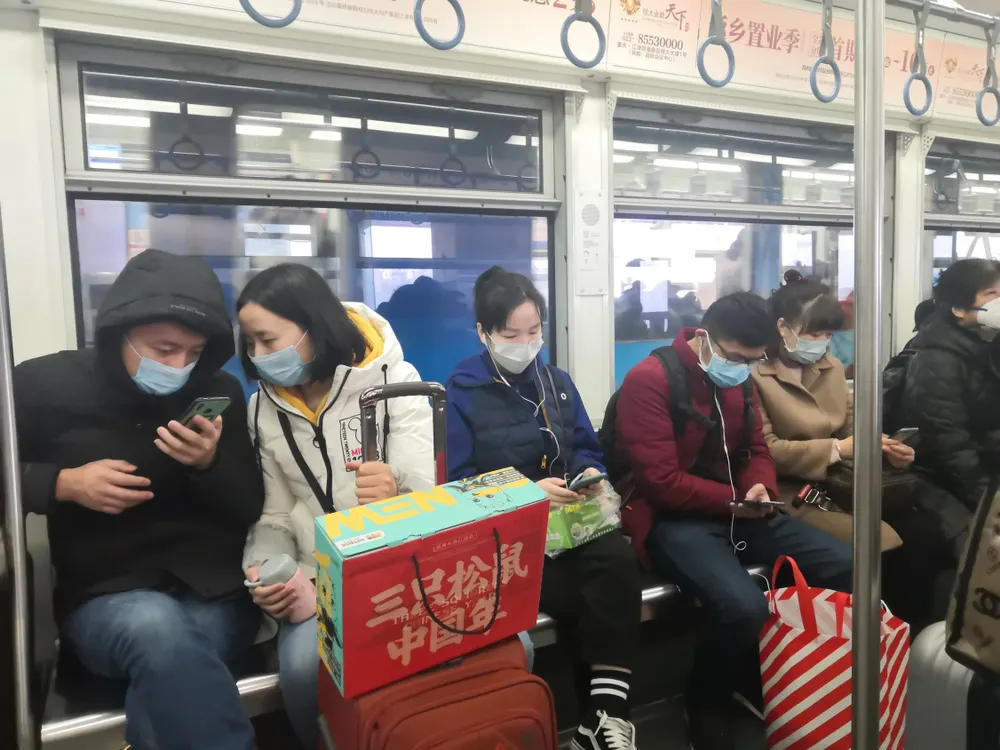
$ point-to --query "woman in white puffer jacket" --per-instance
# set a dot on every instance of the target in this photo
(313, 356)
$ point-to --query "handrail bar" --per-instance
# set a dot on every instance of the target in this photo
(14, 525)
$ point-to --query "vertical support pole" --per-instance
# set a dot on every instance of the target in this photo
(14, 527)
(869, 168)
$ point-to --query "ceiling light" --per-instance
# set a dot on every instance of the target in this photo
(789, 161)
(262, 131)
(844, 166)
(624, 159)
(717, 167)
(303, 117)
(675, 163)
(704, 152)
(749, 156)
(326, 135)
(153, 105)
(648, 148)
(125, 121)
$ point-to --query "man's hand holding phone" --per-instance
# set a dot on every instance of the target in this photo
(184, 445)
(757, 504)
(107, 486)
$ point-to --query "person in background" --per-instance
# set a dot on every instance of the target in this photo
(952, 393)
(842, 342)
(146, 516)
(697, 500)
(313, 356)
(807, 414)
(507, 408)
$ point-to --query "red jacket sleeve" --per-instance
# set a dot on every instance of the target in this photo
(645, 436)
(760, 468)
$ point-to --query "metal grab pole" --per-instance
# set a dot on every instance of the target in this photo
(869, 160)
(14, 525)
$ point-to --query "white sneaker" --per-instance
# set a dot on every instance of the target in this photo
(610, 734)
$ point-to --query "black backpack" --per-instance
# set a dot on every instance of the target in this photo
(679, 406)
(893, 384)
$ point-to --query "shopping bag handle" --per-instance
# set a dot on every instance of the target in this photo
(496, 597)
(808, 613)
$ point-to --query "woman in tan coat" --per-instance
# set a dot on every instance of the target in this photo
(807, 413)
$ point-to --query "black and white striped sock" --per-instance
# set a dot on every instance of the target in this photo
(609, 692)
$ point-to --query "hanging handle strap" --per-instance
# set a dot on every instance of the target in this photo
(826, 57)
(444, 46)
(716, 36)
(498, 572)
(805, 596)
(584, 12)
(990, 79)
(919, 64)
(272, 23)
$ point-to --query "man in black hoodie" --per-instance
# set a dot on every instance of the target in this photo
(147, 519)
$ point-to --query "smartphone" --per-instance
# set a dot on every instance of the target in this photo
(582, 482)
(208, 406)
(762, 503)
(906, 435)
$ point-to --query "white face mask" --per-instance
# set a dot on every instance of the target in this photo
(513, 358)
(989, 314)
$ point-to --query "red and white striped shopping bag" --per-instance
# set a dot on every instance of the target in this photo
(805, 667)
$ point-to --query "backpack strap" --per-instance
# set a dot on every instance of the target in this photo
(678, 395)
(325, 501)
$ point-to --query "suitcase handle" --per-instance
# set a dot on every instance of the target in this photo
(496, 597)
(370, 399)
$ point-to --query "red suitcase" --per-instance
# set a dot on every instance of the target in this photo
(486, 700)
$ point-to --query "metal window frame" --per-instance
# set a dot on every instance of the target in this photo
(73, 56)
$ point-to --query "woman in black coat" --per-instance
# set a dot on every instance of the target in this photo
(952, 391)
(952, 395)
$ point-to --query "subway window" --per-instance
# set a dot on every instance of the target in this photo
(416, 270)
(706, 158)
(667, 273)
(707, 205)
(141, 120)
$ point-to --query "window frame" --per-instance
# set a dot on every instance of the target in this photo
(73, 57)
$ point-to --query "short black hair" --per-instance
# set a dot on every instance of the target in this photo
(806, 304)
(922, 313)
(498, 292)
(959, 283)
(742, 317)
(299, 294)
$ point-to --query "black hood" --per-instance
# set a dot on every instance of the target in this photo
(156, 286)
(938, 332)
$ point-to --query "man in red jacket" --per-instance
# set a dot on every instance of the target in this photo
(696, 502)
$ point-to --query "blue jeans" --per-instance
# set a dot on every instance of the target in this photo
(173, 651)
(697, 555)
(298, 675)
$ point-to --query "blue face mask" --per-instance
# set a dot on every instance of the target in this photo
(722, 372)
(284, 367)
(806, 352)
(157, 378)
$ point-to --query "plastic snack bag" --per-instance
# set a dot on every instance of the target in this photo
(575, 524)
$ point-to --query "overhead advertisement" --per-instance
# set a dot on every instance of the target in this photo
(513, 26)
(774, 45)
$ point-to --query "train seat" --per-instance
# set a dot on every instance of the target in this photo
(82, 706)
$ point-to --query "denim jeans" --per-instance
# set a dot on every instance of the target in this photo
(298, 674)
(697, 555)
(173, 650)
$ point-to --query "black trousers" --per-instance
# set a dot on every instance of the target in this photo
(594, 592)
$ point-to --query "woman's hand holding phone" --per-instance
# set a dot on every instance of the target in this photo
(184, 445)
(557, 492)
(899, 455)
